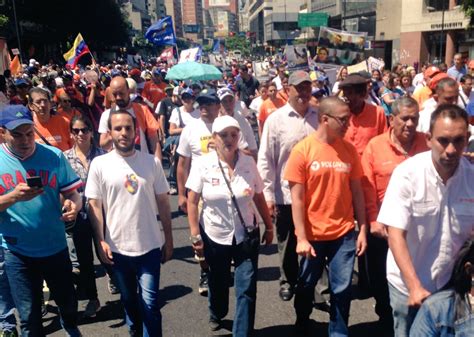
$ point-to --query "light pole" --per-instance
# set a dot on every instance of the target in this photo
(442, 31)
(16, 28)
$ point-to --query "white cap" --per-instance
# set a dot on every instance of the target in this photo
(223, 122)
(221, 93)
(132, 85)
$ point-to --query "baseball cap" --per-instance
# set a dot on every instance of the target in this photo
(435, 80)
(353, 79)
(298, 76)
(223, 122)
(431, 71)
(224, 92)
(12, 116)
(187, 91)
(207, 96)
(21, 82)
(135, 72)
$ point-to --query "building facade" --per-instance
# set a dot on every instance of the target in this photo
(173, 9)
(193, 28)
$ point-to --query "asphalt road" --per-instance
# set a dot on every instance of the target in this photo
(185, 312)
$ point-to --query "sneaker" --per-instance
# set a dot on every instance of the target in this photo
(203, 284)
(112, 287)
(214, 324)
(92, 307)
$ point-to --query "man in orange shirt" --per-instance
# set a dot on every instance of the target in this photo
(49, 129)
(272, 103)
(423, 93)
(324, 174)
(154, 90)
(380, 157)
(367, 120)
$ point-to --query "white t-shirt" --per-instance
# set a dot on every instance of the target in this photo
(255, 105)
(186, 117)
(104, 127)
(195, 137)
(127, 187)
(219, 216)
(438, 218)
(246, 131)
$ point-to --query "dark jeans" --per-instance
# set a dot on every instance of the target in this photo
(7, 307)
(339, 255)
(377, 270)
(219, 258)
(138, 278)
(26, 274)
(82, 237)
(285, 230)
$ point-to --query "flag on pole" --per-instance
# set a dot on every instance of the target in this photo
(161, 32)
(219, 46)
(15, 65)
(79, 48)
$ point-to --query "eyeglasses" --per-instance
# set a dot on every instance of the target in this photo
(83, 130)
(340, 120)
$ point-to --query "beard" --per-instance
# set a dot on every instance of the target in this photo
(123, 148)
(121, 103)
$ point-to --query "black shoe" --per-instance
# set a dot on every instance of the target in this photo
(286, 292)
(214, 324)
(113, 290)
(203, 284)
(44, 309)
(323, 306)
(302, 326)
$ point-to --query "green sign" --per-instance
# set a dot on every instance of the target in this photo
(312, 19)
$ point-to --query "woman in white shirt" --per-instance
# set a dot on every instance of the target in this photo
(222, 232)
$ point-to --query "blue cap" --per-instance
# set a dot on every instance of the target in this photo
(187, 91)
(12, 116)
(207, 96)
(115, 72)
(21, 81)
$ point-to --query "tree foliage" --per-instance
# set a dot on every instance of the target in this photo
(468, 9)
(238, 42)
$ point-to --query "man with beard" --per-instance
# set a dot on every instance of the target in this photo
(282, 130)
(133, 242)
(146, 135)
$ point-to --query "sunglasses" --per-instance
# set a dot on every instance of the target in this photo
(83, 130)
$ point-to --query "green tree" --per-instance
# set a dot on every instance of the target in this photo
(238, 42)
(468, 9)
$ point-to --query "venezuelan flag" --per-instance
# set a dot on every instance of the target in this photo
(79, 48)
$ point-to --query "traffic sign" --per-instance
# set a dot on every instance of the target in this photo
(312, 19)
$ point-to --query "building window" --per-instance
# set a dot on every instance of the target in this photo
(288, 26)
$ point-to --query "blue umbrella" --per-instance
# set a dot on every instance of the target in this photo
(191, 70)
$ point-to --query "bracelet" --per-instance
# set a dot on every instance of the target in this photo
(269, 230)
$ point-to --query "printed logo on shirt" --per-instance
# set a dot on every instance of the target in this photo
(131, 183)
(338, 166)
(205, 143)
(215, 182)
(247, 192)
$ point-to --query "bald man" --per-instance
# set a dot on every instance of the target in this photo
(147, 138)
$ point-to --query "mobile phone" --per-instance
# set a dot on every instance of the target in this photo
(34, 182)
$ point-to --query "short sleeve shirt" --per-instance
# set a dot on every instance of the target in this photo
(325, 170)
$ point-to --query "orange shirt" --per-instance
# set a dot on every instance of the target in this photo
(363, 127)
(379, 159)
(421, 95)
(154, 92)
(108, 98)
(68, 115)
(268, 106)
(325, 170)
(145, 119)
(55, 131)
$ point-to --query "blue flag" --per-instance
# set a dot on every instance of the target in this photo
(219, 46)
(161, 32)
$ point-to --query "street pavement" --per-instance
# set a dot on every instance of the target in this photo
(185, 312)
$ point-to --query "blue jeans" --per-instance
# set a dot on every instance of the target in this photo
(339, 255)
(138, 278)
(7, 307)
(26, 274)
(403, 315)
(219, 258)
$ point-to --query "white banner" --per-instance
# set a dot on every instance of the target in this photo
(297, 57)
(191, 54)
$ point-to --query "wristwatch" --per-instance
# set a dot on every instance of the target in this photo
(195, 239)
